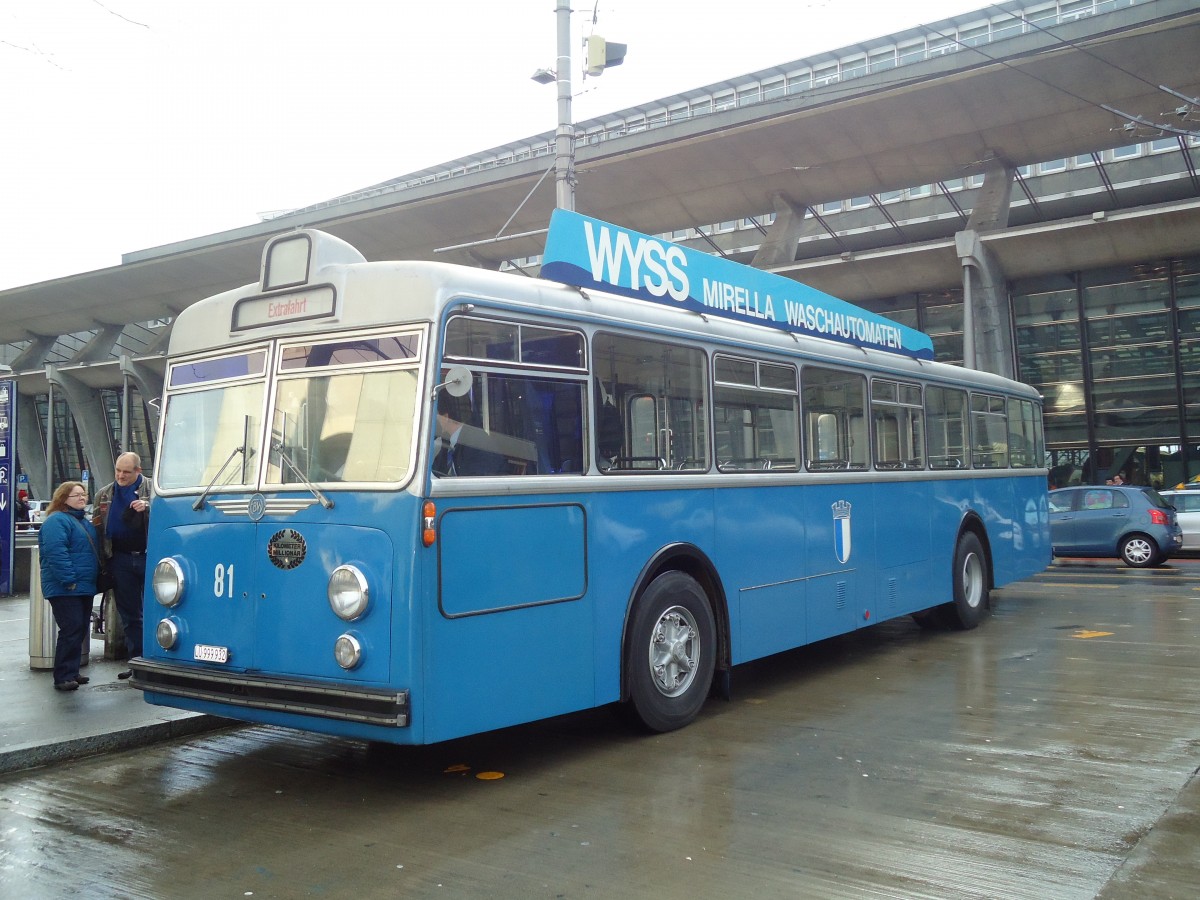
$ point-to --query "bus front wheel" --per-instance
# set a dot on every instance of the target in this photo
(671, 652)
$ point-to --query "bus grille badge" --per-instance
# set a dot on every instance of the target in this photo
(841, 531)
(286, 549)
(257, 507)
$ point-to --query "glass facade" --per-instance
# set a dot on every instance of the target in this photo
(68, 460)
(1115, 353)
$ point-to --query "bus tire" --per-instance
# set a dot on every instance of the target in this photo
(970, 602)
(670, 653)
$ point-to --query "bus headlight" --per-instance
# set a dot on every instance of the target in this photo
(168, 582)
(167, 634)
(348, 592)
(347, 651)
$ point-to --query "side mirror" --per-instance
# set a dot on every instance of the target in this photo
(457, 383)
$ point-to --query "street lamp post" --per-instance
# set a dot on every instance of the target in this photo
(600, 54)
(564, 140)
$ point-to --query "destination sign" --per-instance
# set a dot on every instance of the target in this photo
(588, 253)
(273, 309)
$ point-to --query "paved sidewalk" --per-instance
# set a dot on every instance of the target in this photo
(39, 725)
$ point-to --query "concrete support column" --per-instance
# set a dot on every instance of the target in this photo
(149, 384)
(31, 448)
(987, 335)
(99, 348)
(783, 237)
(34, 355)
(88, 413)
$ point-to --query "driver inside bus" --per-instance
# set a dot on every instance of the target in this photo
(461, 450)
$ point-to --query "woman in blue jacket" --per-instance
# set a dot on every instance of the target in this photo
(70, 564)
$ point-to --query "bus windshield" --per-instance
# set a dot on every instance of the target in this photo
(203, 430)
(341, 411)
(349, 427)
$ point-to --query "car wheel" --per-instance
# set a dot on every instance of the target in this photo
(1139, 551)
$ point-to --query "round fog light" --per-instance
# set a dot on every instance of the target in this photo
(167, 634)
(347, 651)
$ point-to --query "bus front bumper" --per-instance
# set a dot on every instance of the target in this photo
(374, 706)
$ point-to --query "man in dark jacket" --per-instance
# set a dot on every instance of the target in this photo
(122, 517)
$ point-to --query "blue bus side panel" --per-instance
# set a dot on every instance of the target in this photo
(759, 553)
(904, 582)
(839, 558)
(529, 653)
(493, 559)
(1015, 512)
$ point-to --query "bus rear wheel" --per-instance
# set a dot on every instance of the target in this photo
(970, 602)
(670, 652)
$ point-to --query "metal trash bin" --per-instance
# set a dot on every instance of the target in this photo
(43, 633)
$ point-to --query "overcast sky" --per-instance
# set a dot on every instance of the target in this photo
(129, 124)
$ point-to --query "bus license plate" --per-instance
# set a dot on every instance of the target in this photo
(209, 653)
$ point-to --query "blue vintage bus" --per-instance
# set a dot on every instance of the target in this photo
(410, 501)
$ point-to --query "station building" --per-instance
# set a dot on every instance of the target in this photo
(1019, 182)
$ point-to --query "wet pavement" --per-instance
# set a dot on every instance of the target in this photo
(1051, 753)
(40, 726)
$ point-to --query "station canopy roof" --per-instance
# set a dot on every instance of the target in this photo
(1037, 97)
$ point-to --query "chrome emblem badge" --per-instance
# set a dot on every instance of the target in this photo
(257, 507)
(286, 549)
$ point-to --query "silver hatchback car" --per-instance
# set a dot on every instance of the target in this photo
(1187, 512)
(1134, 524)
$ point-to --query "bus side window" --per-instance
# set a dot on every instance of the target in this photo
(664, 399)
(610, 428)
(835, 405)
(898, 424)
(755, 416)
(515, 425)
(946, 420)
(989, 431)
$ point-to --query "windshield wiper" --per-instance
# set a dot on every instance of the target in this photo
(199, 504)
(277, 446)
